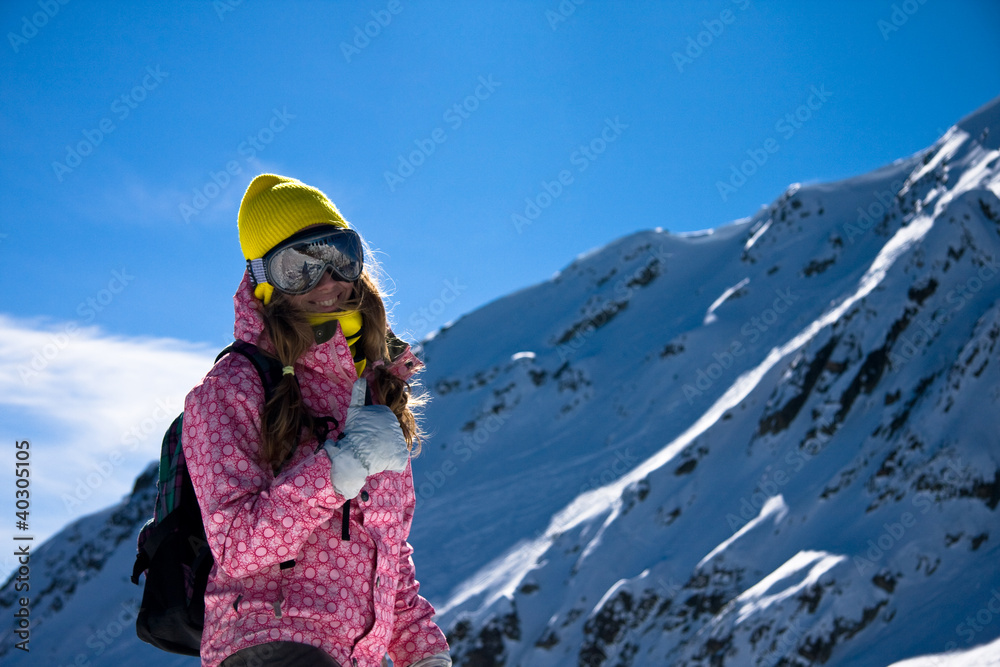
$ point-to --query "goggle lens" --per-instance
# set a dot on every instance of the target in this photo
(297, 266)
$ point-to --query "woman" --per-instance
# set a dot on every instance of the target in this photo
(307, 498)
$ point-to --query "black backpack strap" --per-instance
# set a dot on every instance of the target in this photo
(323, 426)
(270, 371)
(142, 561)
(268, 367)
(345, 528)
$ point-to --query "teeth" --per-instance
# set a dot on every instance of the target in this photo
(327, 303)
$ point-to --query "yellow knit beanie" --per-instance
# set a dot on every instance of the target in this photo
(273, 209)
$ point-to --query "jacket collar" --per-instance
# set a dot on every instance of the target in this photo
(323, 358)
(249, 327)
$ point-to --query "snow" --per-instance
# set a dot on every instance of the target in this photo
(987, 655)
(629, 464)
(802, 570)
(710, 315)
(774, 508)
(854, 302)
(757, 234)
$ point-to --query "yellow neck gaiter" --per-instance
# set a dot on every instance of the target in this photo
(325, 326)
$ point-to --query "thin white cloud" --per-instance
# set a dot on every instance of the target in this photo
(94, 408)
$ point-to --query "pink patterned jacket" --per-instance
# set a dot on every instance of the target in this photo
(283, 570)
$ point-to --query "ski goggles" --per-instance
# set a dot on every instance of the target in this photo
(296, 265)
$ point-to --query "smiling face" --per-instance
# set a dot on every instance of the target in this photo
(328, 296)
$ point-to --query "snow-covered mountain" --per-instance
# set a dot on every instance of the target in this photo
(772, 443)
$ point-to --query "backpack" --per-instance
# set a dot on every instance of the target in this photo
(172, 547)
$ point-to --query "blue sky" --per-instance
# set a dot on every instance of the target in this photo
(479, 147)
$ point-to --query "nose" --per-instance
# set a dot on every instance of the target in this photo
(326, 279)
(329, 279)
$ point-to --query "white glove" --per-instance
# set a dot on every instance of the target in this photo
(372, 442)
(439, 660)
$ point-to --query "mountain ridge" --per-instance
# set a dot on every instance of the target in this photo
(904, 225)
(760, 444)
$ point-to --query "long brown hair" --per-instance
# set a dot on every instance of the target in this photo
(285, 416)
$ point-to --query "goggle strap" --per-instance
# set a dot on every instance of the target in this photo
(257, 271)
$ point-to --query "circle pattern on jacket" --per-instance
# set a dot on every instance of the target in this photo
(340, 594)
